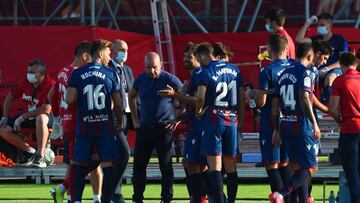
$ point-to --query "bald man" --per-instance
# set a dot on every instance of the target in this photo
(119, 50)
(153, 129)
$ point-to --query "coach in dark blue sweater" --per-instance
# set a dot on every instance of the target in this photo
(153, 131)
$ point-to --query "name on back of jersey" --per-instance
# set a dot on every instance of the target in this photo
(93, 73)
(223, 71)
(288, 76)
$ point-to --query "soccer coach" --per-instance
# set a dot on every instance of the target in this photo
(153, 131)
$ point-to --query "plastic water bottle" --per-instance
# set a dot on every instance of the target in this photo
(332, 197)
(252, 103)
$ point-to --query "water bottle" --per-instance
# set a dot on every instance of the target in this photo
(332, 197)
(252, 103)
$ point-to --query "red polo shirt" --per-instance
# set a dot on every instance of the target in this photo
(347, 87)
(31, 97)
(291, 45)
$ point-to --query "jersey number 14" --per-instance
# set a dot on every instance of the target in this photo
(287, 95)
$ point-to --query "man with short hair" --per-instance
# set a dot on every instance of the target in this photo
(33, 112)
(296, 129)
(153, 129)
(275, 22)
(95, 89)
(119, 50)
(66, 114)
(194, 162)
(220, 106)
(331, 69)
(274, 158)
(344, 107)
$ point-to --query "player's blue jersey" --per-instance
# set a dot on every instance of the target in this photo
(223, 81)
(192, 121)
(94, 84)
(314, 76)
(290, 85)
(267, 79)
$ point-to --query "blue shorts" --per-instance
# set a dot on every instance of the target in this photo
(192, 147)
(106, 147)
(270, 154)
(219, 140)
(301, 148)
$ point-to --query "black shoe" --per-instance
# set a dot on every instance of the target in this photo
(39, 162)
(27, 159)
(118, 198)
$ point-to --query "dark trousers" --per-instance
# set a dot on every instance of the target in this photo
(120, 164)
(147, 139)
(349, 145)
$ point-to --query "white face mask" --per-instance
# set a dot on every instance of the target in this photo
(31, 78)
(121, 56)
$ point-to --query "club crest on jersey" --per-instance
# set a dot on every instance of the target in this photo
(307, 82)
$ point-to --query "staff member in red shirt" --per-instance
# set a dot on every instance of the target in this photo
(275, 22)
(32, 113)
(344, 106)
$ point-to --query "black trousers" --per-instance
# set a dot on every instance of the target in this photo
(148, 139)
(120, 164)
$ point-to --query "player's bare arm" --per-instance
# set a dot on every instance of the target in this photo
(306, 106)
(275, 115)
(133, 107)
(170, 92)
(334, 108)
(44, 109)
(200, 101)
(118, 109)
(260, 97)
(318, 105)
(71, 95)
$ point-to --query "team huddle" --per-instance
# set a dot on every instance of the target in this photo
(94, 103)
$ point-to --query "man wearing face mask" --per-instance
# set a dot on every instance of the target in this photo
(32, 113)
(119, 50)
(330, 70)
(275, 21)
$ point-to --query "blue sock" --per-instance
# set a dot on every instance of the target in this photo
(108, 187)
(302, 193)
(232, 186)
(216, 182)
(299, 178)
(196, 182)
(79, 181)
(274, 179)
(206, 186)
(285, 176)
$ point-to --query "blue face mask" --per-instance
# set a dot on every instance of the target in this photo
(268, 28)
(322, 30)
(121, 56)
